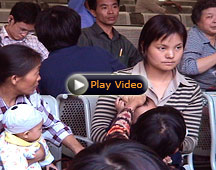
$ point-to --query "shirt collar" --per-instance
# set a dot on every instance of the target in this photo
(4, 33)
(4, 107)
(139, 69)
(178, 79)
(10, 138)
(202, 34)
(99, 31)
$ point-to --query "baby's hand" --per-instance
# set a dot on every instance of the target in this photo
(119, 104)
(51, 167)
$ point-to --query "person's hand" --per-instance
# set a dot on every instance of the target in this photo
(119, 104)
(149, 104)
(134, 101)
(167, 160)
(40, 154)
(51, 166)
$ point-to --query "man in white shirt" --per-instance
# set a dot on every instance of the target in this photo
(20, 27)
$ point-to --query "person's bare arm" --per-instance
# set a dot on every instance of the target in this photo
(169, 3)
(71, 142)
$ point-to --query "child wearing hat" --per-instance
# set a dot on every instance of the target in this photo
(22, 138)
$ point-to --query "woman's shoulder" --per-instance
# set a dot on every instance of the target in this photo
(191, 81)
(195, 35)
(190, 88)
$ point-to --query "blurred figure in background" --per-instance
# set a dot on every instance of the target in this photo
(145, 6)
(199, 58)
(82, 8)
(20, 27)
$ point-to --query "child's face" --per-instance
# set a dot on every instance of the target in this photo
(35, 133)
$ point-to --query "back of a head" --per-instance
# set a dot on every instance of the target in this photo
(58, 27)
(25, 12)
(162, 129)
(117, 154)
(160, 26)
(199, 7)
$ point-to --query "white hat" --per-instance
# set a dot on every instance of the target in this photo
(20, 118)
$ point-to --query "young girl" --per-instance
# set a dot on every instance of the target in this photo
(161, 43)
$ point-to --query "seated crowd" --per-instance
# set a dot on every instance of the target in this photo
(41, 49)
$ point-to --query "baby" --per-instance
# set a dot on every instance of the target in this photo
(22, 138)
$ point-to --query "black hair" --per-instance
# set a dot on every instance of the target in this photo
(199, 7)
(58, 27)
(116, 154)
(162, 129)
(93, 4)
(25, 12)
(17, 60)
(157, 27)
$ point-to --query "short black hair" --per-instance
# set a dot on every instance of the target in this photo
(25, 12)
(157, 27)
(117, 154)
(58, 27)
(199, 7)
(93, 4)
(17, 60)
(162, 129)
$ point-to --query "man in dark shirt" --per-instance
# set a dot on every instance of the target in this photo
(59, 28)
(103, 34)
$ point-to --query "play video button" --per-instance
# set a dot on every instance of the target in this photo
(77, 84)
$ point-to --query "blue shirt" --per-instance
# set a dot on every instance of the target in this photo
(87, 19)
(198, 46)
(67, 61)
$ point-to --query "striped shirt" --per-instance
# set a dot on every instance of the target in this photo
(198, 46)
(187, 98)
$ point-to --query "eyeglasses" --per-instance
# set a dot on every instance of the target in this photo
(25, 31)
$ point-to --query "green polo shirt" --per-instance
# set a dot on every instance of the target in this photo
(119, 46)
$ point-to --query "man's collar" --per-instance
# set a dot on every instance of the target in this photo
(99, 31)
(4, 34)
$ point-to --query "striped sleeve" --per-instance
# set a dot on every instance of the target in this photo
(188, 100)
(104, 114)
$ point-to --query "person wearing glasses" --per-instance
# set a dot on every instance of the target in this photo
(20, 27)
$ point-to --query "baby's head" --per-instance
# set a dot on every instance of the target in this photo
(160, 127)
(24, 121)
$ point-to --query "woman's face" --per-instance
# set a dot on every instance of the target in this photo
(207, 21)
(164, 55)
(27, 84)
